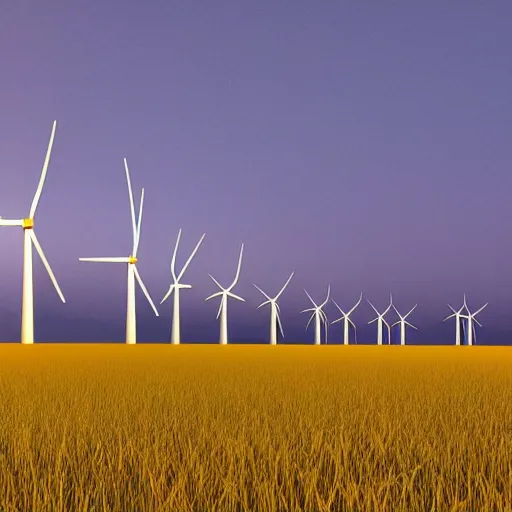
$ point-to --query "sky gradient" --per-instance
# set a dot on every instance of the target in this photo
(363, 145)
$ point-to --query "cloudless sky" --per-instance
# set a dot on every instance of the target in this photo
(366, 145)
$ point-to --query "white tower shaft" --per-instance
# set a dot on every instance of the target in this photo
(379, 332)
(27, 307)
(131, 322)
(273, 324)
(175, 335)
(318, 328)
(346, 331)
(223, 338)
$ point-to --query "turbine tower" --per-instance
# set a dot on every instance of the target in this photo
(470, 317)
(176, 286)
(380, 320)
(27, 307)
(403, 322)
(274, 311)
(347, 322)
(223, 307)
(458, 315)
(319, 317)
(131, 261)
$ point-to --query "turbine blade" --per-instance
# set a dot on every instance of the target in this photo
(168, 294)
(285, 285)
(107, 260)
(410, 325)
(39, 189)
(218, 294)
(312, 316)
(39, 249)
(233, 296)
(374, 308)
(264, 304)
(374, 320)
(479, 310)
(338, 320)
(415, 305)
(477, 322)
(237, 268)
(216, 282)
(261, 291)
(280, 325)
(326, 298)
(357, 304)
(5, 222)
(221, 305)
(306, 310)
(173, 260)
(139, 221)
(187, 263)
(309, 296)
(139, 279)
(132, 206)
(341, 310)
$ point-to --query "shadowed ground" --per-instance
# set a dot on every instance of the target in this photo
(202, 427)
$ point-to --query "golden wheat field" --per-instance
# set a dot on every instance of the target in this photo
(255, 428)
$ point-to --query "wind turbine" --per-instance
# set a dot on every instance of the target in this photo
(319, 317)
(380, 320)
(403, 322)
(176, 286)
(27, 304)
(223, 307)
(458, 315)
(133, 273)
(470, 317)
(347, 322)
(274, 311)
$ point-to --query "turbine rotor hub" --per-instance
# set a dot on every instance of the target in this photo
(28, 223)
(132, 260)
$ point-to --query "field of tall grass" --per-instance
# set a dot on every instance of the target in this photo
(255, 428)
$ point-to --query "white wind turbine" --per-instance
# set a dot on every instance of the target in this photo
(176, 286)
(223, 307)
(470, 317)
(274, 311)
(380, 320)
(458, 315)
(27, 304)
(131, 261)
(347, 322)
(403, 322)
(319, 317)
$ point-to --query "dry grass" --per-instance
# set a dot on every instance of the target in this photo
(256, 428)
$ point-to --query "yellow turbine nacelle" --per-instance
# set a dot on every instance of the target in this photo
(28, 223)
(132, 260)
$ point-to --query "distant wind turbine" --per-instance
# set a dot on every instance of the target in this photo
(225, 293)
(274, 311)
(319, 317)
(176, 286)
(133, 273)
(403, 322)
(458, 315)
(27, 302)
(470, 317)
(347, 322)
(380, 320)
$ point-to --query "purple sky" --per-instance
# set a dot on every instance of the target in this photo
(361, 144)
